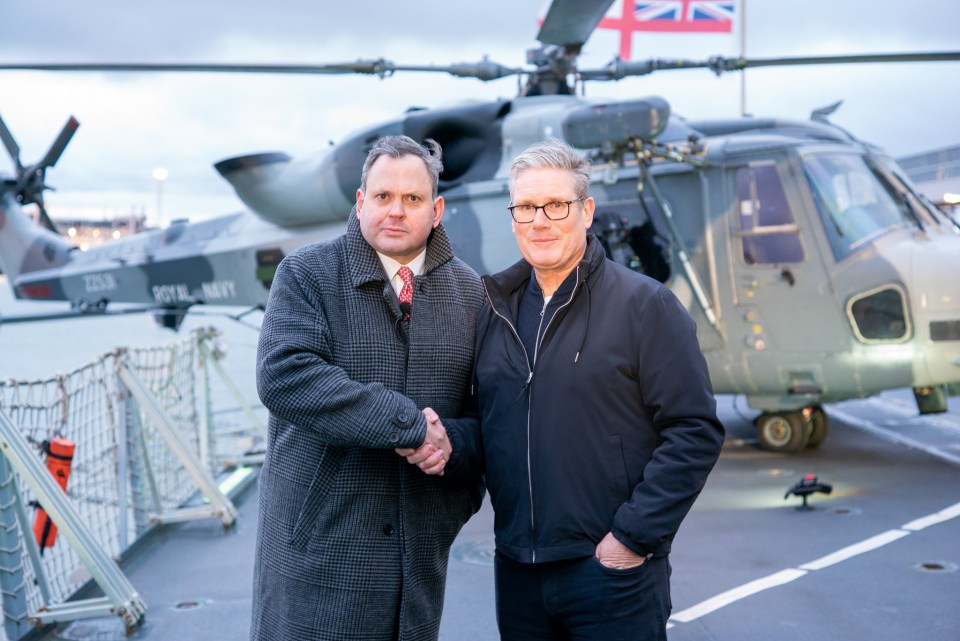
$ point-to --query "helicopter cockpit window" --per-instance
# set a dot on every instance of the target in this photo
(856, 206)
(767, 228)
(880, 315)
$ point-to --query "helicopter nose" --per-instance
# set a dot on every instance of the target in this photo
(936, 303)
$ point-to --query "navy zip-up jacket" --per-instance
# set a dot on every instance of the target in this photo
(612, 429)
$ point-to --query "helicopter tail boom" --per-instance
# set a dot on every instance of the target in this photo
(24, 245)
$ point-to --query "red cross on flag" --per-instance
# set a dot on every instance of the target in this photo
(684, 16)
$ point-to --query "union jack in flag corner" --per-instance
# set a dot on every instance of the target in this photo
(686, 16)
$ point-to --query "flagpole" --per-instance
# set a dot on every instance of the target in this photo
(743, 54)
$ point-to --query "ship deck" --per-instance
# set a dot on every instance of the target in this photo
(875, 560)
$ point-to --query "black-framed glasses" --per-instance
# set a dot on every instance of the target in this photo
(557, 210)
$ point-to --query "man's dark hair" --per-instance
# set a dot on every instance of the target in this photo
(398, 147)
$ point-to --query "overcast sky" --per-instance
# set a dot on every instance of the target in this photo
(132, 123)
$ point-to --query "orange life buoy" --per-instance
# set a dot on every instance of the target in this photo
(59, 453)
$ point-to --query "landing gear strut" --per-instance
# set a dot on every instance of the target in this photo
(931, 399)
(792, 432)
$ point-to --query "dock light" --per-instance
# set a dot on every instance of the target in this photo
(951, 199)
(160, 174)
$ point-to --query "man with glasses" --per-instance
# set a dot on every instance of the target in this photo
(597, 423)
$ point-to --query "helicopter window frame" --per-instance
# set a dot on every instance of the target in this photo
(841, 245)
(779, 243)
(891, 171)
(907, 324)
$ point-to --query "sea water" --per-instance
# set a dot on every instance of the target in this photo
(42, 349)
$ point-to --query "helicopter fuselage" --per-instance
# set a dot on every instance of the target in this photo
(813, 270)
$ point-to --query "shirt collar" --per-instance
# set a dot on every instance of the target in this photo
(390, 266)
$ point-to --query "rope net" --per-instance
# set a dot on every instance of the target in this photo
(122, 467)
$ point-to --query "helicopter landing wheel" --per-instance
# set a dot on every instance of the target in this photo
(783, 431)
(819, 426)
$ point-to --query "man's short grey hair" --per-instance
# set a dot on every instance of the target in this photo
(554, 153)
(398, 147)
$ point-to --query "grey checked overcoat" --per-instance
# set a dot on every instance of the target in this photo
(352, 540)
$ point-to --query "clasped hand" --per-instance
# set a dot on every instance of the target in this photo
(432, 456)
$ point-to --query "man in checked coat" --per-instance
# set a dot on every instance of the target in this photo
(353, 541)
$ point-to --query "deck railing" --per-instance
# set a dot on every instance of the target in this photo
(148, 450)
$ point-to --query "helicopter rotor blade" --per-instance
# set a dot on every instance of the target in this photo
(30, 180)
(738, 63)
(570, 22)
(44, 219)
(10, 143)
(619, 69)
(56, 149)
(483, 70)
(378, 67)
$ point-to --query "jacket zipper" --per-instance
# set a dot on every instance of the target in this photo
(530, 367)
(536, 348)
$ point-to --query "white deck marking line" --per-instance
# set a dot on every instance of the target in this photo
(945, 514)
(741, 592)
(786, 576)
(851, 551)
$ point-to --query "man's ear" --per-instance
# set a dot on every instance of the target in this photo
(589, 205)
(438, 205)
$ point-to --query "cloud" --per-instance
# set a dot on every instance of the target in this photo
(132, 123)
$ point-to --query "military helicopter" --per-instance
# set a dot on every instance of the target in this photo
(814, 269)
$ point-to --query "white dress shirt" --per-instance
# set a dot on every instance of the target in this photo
(391, 267)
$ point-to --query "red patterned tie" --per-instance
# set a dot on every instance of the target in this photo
(406, 293)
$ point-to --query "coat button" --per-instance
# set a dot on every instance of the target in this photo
(402, 417)
(388, 529)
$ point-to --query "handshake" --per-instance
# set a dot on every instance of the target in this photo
(432, 456)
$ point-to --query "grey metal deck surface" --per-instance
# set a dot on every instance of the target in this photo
(746, 565)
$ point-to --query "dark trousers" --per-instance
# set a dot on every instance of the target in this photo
(582, 600)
